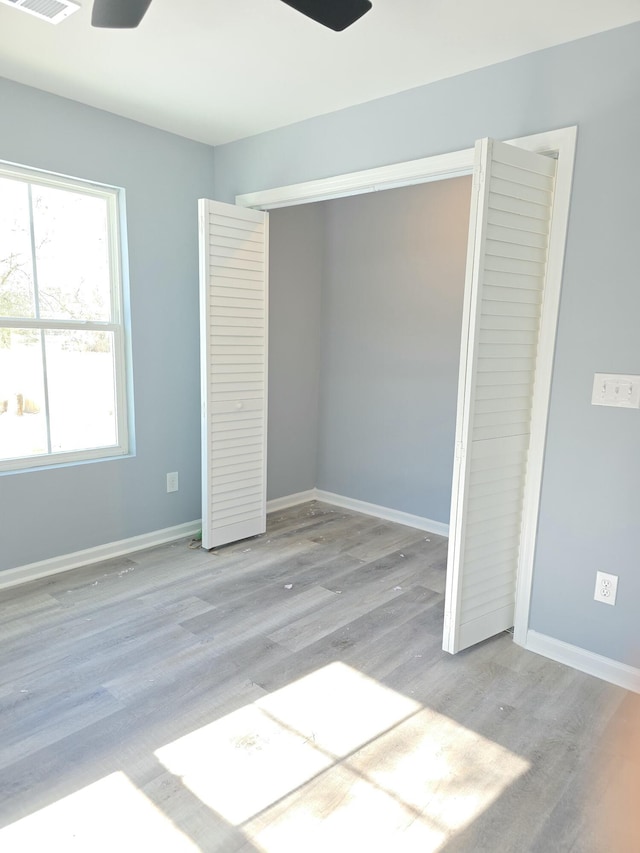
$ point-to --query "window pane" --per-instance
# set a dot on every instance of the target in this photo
(72, 254)
(23, 428)
(16, 272)
(81, 384)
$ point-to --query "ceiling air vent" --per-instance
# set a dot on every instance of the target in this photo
(53, 11)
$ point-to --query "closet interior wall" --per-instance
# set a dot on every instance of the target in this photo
(365, 321)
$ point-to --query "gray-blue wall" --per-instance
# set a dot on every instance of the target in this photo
(296, 268)
(61, 510)
(364, 338)
(590, 503)
(392, 311)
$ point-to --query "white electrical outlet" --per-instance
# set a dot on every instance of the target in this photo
(172, 481)
(606, 588)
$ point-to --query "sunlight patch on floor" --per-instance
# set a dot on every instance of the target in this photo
(244, 762)
(338, 761)
(108, 816)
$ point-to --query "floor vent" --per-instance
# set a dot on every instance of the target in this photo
(53, 11)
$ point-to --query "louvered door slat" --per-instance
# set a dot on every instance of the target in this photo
(479, 477)
(233, 298)
(241, 486)
(491, 549)
(474, 610)
(501, 308)
(506, 267)
(234, 292)
(499, 278)
(508, 336)
(519, 175)
(505, 404)
(494, 487)
(512, 205)
(521, 223)
(491, 562)
(518, 190)
(227, 276)
(509, 234)
(516, 249)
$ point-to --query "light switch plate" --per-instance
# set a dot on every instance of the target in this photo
(616, 389)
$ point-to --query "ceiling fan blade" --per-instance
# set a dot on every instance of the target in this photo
(118, 14)
(335, 14)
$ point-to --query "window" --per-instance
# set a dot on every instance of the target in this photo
(62, 350)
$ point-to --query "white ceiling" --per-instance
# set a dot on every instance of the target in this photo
(219, 70)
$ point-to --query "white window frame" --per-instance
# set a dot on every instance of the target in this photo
(114, 198)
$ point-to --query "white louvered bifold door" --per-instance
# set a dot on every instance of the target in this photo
(511, 207)
(233, 333)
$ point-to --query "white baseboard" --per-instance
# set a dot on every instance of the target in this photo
(384, 512)
(605, 668)
(66, 562)
(291, 500)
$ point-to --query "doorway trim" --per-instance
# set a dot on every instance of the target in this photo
(560, 144)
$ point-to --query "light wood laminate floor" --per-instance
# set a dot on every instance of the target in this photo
(286, 694)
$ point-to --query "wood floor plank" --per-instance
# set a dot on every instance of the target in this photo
(282, 606)
(338, 611)
(42, 723)
(375, 642)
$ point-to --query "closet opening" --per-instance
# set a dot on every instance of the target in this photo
(372, 346)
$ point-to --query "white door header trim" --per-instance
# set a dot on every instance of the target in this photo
(436, 168)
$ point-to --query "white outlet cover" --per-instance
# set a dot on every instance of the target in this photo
(616, 389)
(606, 588)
